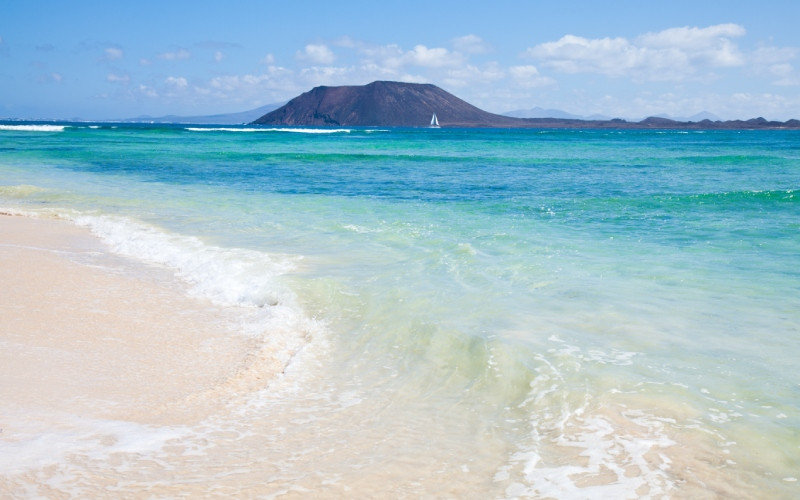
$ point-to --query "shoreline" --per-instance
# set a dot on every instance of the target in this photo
(90, 333)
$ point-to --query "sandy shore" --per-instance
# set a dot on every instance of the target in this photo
(90, 334)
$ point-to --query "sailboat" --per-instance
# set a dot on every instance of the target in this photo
(434, 121)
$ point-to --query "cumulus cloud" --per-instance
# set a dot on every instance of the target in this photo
(176, 55)
(146, 91)
(470, 76)
(179, 82)
(672, 54)
(431, 58)
(774, 55)
(380, 55)
(470, 44)
(275, 77)
(318, 65)
(234, 83)
(776, 61)
(274, 84)
(528, 76)
(326, 75)
(317, 54)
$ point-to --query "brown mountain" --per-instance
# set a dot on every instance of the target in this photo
(383, 104)
(397, 104)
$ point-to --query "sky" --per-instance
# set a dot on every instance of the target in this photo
(629, 59)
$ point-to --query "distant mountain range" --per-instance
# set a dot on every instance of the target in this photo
(398, 104)
(220, 119)
(538, 112)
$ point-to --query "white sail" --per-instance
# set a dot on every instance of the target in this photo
(434, 121)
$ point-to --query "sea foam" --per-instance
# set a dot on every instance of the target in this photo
(245, 281)
(227, 276)
(34, 128)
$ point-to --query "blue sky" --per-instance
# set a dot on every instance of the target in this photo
(117, 59)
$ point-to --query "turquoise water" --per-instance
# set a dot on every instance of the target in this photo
(551, 313)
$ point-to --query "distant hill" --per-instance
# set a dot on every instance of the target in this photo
(703, 115)
(398, 104)
(537, 112)
(383, 104)
(221, 119)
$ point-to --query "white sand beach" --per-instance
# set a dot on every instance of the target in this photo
(83, 332)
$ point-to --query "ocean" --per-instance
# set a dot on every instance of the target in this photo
(455, 313)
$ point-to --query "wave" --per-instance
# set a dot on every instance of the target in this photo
(33, 128)
(252, 129)
(227, 276)
(580, 445)
(248, 280)
(738, 197)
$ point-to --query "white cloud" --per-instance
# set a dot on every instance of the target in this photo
(177, 55)
(381, 55)
(768, 105)
(471, 76)
(789, 78)
(234, 83)
(326, 75)
(275, 78)
(773, 55)
(692, 38)
(114, 78)
(317, 54)
(470, 44)
(112, 54)
(268, 59)
(391, 58)
(218, 56)
(147, 91)
(529, 77)
(179, 82)
(431, 58)
(776, 61)
(673, 54)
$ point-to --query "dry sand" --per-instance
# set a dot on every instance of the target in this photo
(89, 333)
